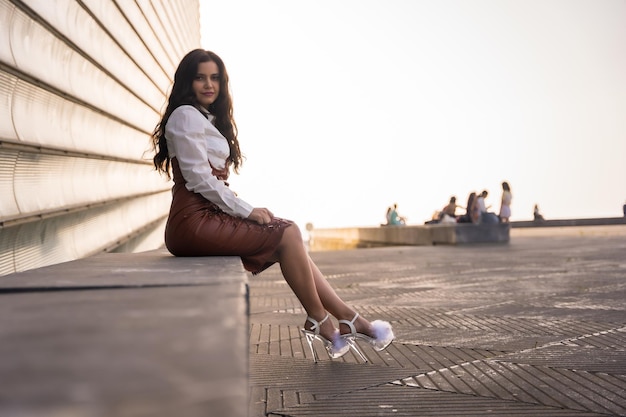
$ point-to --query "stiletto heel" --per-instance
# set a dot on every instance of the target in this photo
(335, 349)
(309, 338)
(355, 347)
(383, 335)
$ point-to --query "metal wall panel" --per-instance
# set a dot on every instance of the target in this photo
(39, 117)
(36, 184)
(76, 23)
(82, 83)
(149, 37)
(167, 20)
(7, 252)
(8, 205)
(6, 14)
(76, 235)
(162, 34)
(144, 240)
(43, 118)
(7, 85)
(34, 48)
(46, 183)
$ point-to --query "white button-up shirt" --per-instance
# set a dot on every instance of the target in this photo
(194, 142)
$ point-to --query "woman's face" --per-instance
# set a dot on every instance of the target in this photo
(206, 84)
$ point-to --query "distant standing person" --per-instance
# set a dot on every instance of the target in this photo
(536, 215)
(505, 203)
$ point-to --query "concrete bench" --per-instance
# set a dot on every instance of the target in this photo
(465, 233)
(125, 334)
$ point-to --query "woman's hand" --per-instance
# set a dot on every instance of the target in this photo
(261, 215)
(221, 174)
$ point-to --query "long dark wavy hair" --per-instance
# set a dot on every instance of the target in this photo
(182, 93)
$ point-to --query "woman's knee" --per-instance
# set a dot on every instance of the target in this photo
(292, 234)
(291, 237)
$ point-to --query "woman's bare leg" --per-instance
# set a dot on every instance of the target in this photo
(335, 305)
(296, 268)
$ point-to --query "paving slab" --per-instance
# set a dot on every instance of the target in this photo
(533, 328)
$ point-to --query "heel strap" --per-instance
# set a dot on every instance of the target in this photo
(317, 324)
(350, 323)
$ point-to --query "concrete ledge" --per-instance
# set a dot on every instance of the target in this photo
(453, 234)
(125, 334)
(395, 235)
(571, 222)
(363, 237)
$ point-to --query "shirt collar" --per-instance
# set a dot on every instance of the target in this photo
(206, 114)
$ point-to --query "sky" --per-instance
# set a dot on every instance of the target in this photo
(345, 107)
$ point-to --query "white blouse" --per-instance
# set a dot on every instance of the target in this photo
(194, 142)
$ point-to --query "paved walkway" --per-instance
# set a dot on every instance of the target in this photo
(533, 328)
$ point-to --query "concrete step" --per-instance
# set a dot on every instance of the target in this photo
(125, 335)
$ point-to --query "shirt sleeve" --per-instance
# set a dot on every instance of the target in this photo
(188, 134)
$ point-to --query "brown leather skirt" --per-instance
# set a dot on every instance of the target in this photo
(197, 227)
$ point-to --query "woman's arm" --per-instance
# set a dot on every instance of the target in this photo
(193, 141)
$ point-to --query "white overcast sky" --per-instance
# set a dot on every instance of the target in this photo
(345, 107)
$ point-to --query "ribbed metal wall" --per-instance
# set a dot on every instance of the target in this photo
(82, 85)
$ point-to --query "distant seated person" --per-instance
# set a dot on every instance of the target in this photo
(478, 207)
(436, 217)
(480, 215)
(448, 214)
(393, 218)
(467, 217)
(536, 215)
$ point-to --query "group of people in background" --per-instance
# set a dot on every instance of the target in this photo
(393, 217)
(476, 209)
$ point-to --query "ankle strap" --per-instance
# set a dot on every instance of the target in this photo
(350, 323)
(317, 324)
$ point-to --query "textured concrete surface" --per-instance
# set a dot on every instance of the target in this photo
(536, 327)
(121, 335)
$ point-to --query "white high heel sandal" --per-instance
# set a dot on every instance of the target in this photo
(335, 348)
(383, 335)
